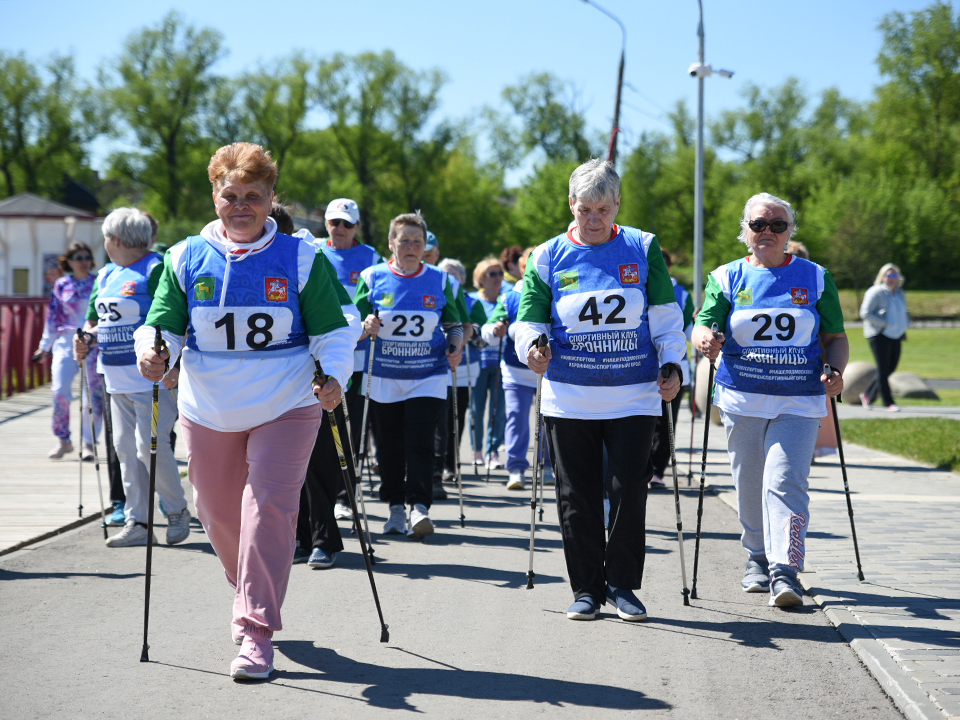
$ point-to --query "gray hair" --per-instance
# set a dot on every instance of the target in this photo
(767, 199)
(459, 271)
(414, 219)
(130, 226)
(593, 181)
(883, 273)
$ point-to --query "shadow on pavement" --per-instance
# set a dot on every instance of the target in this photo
(391, 688)
(752, 631)
(490, 576)
(14, 575)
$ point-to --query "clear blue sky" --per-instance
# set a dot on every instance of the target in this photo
(484, 46)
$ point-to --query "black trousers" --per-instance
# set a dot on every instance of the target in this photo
(445, 447)
(887, 354)
(595, 560)
(355, 409)
(316, 525)
(405, 434)
(113, 462)
(660, 452)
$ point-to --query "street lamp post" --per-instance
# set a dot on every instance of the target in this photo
(700, 70)
(612, 149)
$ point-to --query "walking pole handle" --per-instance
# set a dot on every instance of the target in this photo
(828, 371)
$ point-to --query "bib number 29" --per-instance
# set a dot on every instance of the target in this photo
(785, 323)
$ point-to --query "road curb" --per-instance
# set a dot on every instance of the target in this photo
(52, 533)
(909, 697)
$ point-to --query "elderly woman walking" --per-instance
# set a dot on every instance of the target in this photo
(419, 338)
(256, 307)
(885, 322)
(779, 319)
(602, 294)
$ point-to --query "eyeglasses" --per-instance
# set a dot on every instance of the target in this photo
(347, 225)
(777, 226)
(81, 258)
(495, 273)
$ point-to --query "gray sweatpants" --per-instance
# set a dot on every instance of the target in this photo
(770, 463)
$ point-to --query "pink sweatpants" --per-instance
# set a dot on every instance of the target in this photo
(246, 487)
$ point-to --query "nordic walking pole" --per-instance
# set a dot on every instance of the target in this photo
(496, 396)
(665, 374)
(456, 436)
(320, 378)
(85, 382)
(715, 329)
(366, 403)
(80, 436)
(473, 444)
(693, 416)
(358, 489)
(158, 347)
(828, 371)
(542, 342)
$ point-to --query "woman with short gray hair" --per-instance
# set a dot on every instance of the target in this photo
(602, 294)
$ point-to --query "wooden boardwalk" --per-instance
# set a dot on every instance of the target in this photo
(39, 495)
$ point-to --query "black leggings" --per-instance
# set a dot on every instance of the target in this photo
(887, 354)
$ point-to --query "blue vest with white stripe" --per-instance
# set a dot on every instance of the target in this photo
(123, 301)
(260, 316)
(411, 344)
(600, 335)
(772, 344)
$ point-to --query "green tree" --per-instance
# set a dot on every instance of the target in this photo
(160, 87)
(46, 119)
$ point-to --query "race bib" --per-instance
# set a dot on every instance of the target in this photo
(115, 311)
(601, 310)
(772, 327)
(240, 328)
(408, 325)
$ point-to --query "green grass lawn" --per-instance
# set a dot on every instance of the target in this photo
(928, 303)
(932, 441)
(927, 352)
(947, 398)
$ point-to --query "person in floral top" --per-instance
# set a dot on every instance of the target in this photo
(68, 304)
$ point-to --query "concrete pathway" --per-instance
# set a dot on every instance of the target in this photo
(727, 655)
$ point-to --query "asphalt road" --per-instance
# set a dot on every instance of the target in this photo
(467, 640)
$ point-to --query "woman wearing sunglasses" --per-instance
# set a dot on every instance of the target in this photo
(885, 321)
(780, 320)
(68, 303)
(488, 279)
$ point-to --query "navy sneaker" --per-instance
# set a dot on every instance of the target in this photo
(321, 559)
(785, 592)
(299, 557)
(629, 608)
(755, 578)
(584, 608)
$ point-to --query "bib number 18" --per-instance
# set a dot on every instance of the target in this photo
(258, 337)
(240, 328)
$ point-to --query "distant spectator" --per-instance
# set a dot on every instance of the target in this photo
(885, 321)
(510, 260)
(431, 254)
(795, 247)
(281, 213)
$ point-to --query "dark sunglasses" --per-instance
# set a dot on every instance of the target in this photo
(82, 258)
(892, 274)
(777, 226)
(347, 225)
(495, 273)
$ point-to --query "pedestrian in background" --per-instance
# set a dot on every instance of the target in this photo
(885, 322)
(488, 279)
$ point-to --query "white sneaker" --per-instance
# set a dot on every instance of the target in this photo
(133, 534)
(420, 525)
(60, 450)
(397, 524)
(516, 481)
(493, 462)
(342, 512)
(548, 478)
(178, 526)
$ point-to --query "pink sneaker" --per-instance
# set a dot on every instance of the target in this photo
(255, 661)
(865, 401)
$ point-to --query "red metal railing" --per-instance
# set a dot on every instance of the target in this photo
(21, 325)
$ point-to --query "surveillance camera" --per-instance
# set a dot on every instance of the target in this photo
(694, 69)
(724, 73)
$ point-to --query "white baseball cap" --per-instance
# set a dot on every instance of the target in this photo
(343, 208)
